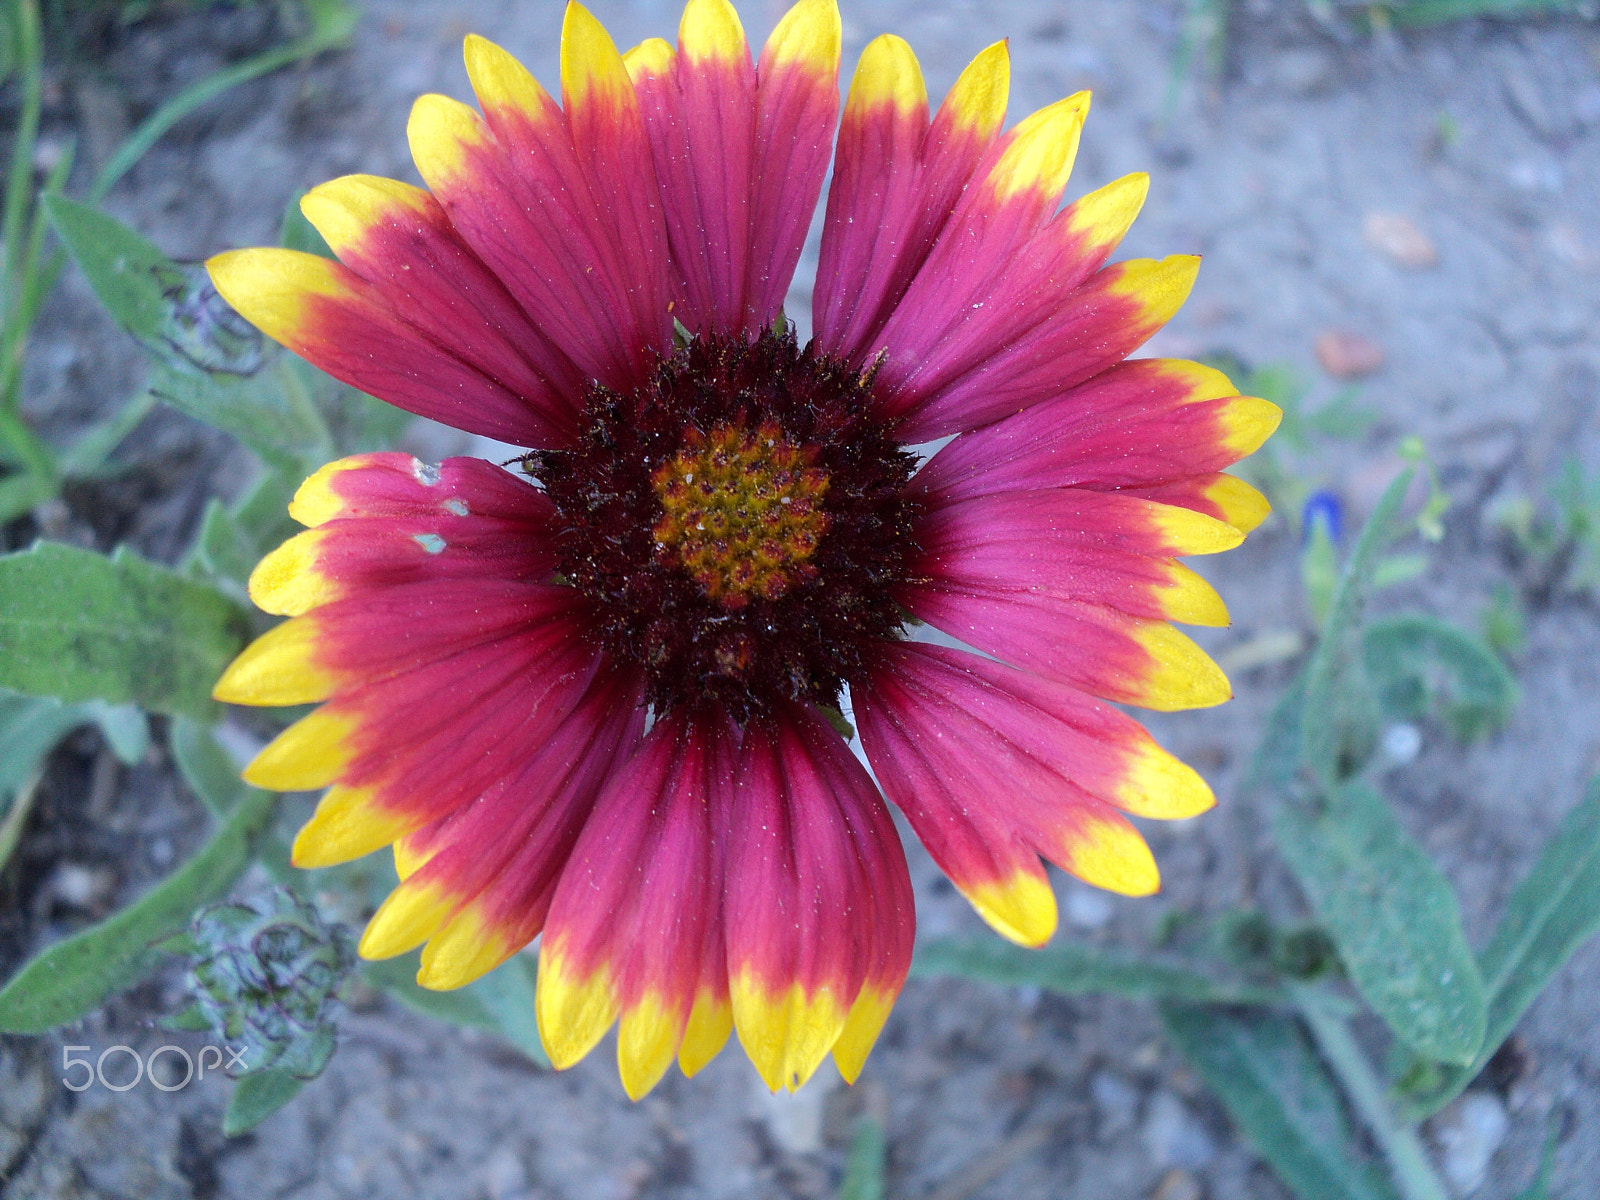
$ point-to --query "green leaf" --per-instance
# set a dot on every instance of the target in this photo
(128, 272)
(501, 1002)
(256, 1097)
(1319, 572)
(223, 550)
(1075, 970)
(30, 727)
(1396, 569)
(1263, 1069)
(264, 512)
(23, 492)
(1392, 915)
(207, 768)
(1416, 14)
(257, 409)
(75, 976)
(1342, 417)
(863, 1171)
(331, 24)
(124, 726)
(1553, 911)
(1420, 665)
(1341, 738)
(79, 626)
(1276, 764)
(297, 233)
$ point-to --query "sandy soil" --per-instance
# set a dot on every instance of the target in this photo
(1485, 137)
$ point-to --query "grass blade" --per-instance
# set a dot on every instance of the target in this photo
(1264, 1070)
(1074, 970)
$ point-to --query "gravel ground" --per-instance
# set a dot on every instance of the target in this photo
(1421, 206)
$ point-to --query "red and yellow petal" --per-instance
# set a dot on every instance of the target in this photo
(874, 201)
(797, 105)
(609, 138)
(399, 239)
(818, 901)
(991, 367)
(480, 880)
(338, 321)
(1067, 548)
(1096, 649)
(434, 691)
(1225, 497)
(892, 200)
(1139, 423)
(522, 187)
(629, 923)
(994, 766)
(699, 110)
(386, 520)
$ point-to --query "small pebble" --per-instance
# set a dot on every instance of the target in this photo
(1302, 71)
(1468, 1135)
(1177, 1184)
(78, 885)
(1347, 355)
(1400, 239)
(1172, 1135)
(794, 1119)
(504, 1176)
(1402, 742)
(1116, 1101)
(1087, 907)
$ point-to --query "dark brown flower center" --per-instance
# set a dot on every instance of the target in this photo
(739, 521)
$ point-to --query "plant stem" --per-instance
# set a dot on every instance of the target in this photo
(1413, 1174)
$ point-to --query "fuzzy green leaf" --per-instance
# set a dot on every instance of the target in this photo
(128, 272)
(1420, 664)
(1553, 911)
(73, 977)
(1392, 915)
(80, 626)
(1076, 970)
(254, 408)
(207, 768)
(501, 1002)
(30, 727)
(863, 1171)
(1264, 1070)
(223, 550)
(256, 1097)
(1341, 738)
(1276, 763)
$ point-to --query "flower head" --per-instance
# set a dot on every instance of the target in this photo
(592, 700)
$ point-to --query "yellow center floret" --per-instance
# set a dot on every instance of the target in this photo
(741, 511)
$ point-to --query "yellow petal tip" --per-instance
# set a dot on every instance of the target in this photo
(1112, 855)
(1021, 908)
(346, 826)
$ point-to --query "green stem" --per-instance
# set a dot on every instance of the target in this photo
(16, 817)
(326, 33)
(19, 179)
(1413, 1174)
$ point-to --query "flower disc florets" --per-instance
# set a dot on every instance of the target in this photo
(739, 521)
